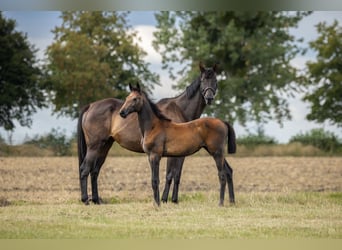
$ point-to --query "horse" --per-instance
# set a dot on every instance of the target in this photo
(100, 125)
(163, 137)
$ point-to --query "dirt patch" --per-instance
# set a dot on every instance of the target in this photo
(56, 180)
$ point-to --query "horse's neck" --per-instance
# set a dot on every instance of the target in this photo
(192, 107)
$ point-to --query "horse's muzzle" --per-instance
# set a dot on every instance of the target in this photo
(209, 100)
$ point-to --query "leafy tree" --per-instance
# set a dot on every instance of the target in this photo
(20, 89)
(94, 56)
(325, 75)
(253, 50)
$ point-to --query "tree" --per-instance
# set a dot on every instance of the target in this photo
(94, 56)
(253, 49)
(325, 75)
(20, 90)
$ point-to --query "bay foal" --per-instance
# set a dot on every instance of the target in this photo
(162, 137)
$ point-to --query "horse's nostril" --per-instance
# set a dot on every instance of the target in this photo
(209, 100)
(122, 114)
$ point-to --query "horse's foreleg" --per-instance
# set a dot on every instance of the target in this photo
(168, 180)
(177, 172)
(229, 172)
(100, 158)
(173, 171)
(154, 160)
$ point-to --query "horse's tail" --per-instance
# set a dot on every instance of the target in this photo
(81, 143)
(231, 139)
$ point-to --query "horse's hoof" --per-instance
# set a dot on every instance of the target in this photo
(164, 201)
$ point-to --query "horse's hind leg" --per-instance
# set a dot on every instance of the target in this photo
(85, 169)
(229, 172)
(100, 157)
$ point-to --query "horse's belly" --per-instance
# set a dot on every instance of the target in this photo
(127, 133)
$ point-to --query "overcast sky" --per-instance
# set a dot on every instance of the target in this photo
(38, 25)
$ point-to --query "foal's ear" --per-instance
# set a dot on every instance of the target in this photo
(201, 66)
(130, 87)
(138, 88)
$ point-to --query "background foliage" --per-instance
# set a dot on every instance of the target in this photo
(324, 82)
(20, 90)
(93, 56)
(253, 49)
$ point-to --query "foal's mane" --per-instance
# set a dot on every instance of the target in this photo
(193, 87)
(155, 108)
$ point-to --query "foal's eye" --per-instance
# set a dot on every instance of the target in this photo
(134, 99)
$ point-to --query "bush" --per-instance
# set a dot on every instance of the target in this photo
(319, 138)
(256, 139)
(56, 141)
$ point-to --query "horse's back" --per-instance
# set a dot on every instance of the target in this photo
(171, 110)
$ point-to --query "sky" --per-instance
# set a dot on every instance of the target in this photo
(38, 25)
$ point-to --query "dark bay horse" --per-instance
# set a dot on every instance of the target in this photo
(100, 125)
(162, 137)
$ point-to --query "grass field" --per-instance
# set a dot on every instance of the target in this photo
(276, 197)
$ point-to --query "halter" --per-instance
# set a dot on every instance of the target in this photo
(208, 88)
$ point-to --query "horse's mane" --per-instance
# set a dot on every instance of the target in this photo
(155, 109)
(193, 87)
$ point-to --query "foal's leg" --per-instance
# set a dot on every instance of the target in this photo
(173, 171)
(229, 172)
(154, 160)
(219, 160)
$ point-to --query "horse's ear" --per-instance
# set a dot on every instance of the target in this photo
(201, 66)
(215, 67)
(130, 87)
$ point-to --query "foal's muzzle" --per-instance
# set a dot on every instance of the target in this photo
(123, 114)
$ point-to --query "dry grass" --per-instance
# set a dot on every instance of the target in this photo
(55, 180)
(277, 197)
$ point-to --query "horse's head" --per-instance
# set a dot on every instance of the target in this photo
(133, 102)
(208, 83)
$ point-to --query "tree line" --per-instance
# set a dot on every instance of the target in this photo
(94, 55)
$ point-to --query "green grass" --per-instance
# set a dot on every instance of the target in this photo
(256, 215)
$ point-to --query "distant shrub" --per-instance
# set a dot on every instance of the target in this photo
(324, 140)
(56, 141)
(256, 139)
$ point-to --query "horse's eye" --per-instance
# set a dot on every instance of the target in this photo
(134, 99)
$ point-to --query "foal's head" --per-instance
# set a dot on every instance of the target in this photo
(133, 103)
(208, 83)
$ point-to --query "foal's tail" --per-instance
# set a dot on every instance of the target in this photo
(81, 143)
(231, 139)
